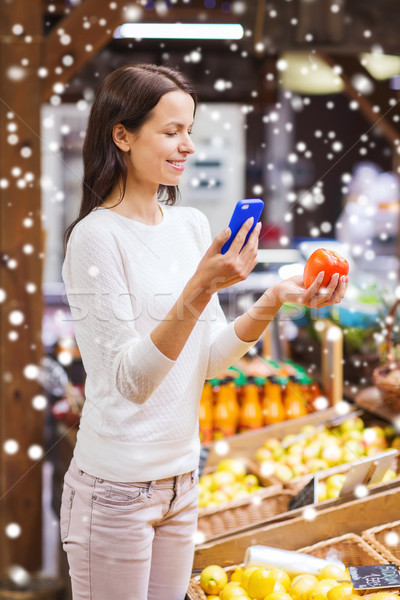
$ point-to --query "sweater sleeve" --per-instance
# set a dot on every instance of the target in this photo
(103, 312)
(225, 346)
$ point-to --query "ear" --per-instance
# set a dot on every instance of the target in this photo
(121, 137)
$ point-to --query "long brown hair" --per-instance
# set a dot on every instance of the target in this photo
(127, 95)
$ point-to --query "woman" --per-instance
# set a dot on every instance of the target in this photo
(141, 281)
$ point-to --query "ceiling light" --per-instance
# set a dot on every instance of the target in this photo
(182, 31)
(306, 73)
(381, 66)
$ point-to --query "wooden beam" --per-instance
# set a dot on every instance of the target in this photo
(86, 30)
(21, 257)
(375, 105)
(77, 38)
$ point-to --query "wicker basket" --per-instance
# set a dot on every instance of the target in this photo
(389, 390)
(351, 549)
(253, 509)
(377, 537)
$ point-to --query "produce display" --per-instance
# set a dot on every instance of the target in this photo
(228, 482)
(260, 583)
(330, 488)
(320, 447)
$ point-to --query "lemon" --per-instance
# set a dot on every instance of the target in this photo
(237, 574)
(278, 596)
(332, 572)
(278, 588)
(261, 583)
(232, 590)
(320, 590)
(213, 579)
(384, 596)
(301, 586)
(213, 597)
(246, 575)
(282, 577)
(343, 589)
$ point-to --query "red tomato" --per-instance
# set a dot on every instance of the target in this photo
(324, 260)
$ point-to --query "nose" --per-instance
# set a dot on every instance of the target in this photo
(187, 146)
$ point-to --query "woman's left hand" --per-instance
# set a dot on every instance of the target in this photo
(293, 290)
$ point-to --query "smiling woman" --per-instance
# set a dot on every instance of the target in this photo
(141, 280)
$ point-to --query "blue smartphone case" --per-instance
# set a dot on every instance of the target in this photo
(244, 209)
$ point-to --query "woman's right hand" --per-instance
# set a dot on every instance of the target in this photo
(217, 271)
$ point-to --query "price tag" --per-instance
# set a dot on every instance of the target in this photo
(367, 471)
(375, 576)
(307, 495)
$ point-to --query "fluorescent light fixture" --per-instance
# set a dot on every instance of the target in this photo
(306, 73)
(381, 66)
(181, 31)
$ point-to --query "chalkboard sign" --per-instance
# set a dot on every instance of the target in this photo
(204, 452)
(307, 495)
(375, 576)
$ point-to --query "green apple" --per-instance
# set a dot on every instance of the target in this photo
(352, 434)
(312, 450)
(321, 491)
(263, 454)
(316, 464)
(332, 454)
(353, 423)
(283, 473)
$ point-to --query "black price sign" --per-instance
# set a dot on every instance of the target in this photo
(307, 495)
(374, 576)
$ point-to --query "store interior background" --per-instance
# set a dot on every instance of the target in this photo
(272, 124)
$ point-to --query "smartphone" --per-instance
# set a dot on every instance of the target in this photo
(244, 209)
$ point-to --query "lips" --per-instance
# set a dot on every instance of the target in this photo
(177, 164)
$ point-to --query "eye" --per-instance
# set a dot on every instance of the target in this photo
(171, 134)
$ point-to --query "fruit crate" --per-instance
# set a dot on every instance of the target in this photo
(385, 539)
(230, 517)
(351, 549)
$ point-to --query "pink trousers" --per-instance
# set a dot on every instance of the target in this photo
(128, 541)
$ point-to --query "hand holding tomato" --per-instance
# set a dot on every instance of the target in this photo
(329, 262)
(323, 283)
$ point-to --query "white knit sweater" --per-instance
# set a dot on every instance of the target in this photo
(139, 420)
